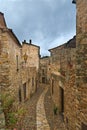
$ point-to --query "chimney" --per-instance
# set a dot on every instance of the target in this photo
(24, 41)
(30, 41)
(74, 1)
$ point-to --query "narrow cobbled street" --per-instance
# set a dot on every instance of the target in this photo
(40, 114)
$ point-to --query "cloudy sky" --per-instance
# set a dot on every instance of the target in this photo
(48, 23)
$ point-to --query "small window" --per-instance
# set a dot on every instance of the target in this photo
(32, 81)
(52, 86)
(24, 88)
(20, 98)
(43, 71)
(43, 79)
(17, 62)
(67, 121)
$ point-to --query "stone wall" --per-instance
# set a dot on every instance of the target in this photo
(63, 87)
(81, 63)
(30, 61)
(54, 86)
(70, 91)
(32, 53)
(73, 75)
(55, 60)
(14, 57)
(19, 67)
(4, 68)
(44, 70)
(33, 78)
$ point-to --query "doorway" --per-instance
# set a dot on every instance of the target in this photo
(62, 99)
(20, 97)
(24, 88)
(52, 86)
(43, 79)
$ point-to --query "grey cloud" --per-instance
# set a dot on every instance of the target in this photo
(45, 21)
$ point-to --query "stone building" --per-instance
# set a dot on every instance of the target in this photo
(81, 65)
(30, 61)
(66, 69)
(10, 58)
(68, 87)
(67, 81)
(44, 69)
(54, 72)
(19, 65)
(76, 109)
(62, 56)
(32, 52)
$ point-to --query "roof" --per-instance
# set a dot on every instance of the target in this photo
(12, 34)
(57, 47)
(44, 57)
(70, 44)
(3, 26)
(2, 21)
(30, 44)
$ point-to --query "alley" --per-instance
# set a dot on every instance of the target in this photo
(40, 114)
(41, 120)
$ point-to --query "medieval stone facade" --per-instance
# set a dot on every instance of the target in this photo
(81, 64)
(68, 84)
(65, 70)
(63, 56)
(19, 65)
(30, 61)
(44, 70)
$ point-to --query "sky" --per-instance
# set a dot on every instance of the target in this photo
(48, 23)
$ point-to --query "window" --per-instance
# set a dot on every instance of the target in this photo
(20, 98)
(67, 121)
(32, 81)
(43, 71)
(43, 80)
(52, 86)
(17, 62)
(62, 99)
(24, 88)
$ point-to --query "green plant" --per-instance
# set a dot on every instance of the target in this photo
(55, 109)
(7, 101)
(12, 115)
(12, 118)
(59, 70)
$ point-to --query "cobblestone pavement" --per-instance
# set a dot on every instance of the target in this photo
(58, 123)
(40, 114)
(42, 123)
(29, 122)
(55, 121)
(48, 103)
